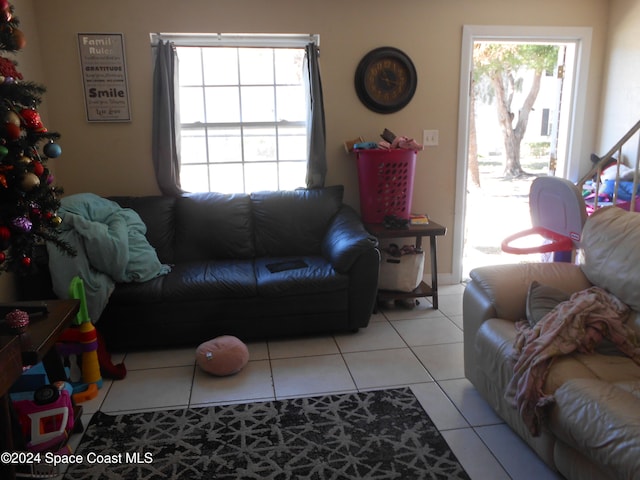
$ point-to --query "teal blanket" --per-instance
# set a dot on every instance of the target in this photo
(111, 245)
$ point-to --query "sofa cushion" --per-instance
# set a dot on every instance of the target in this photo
(138, 293)
(317, 276)
(195, 281)
(157, 213)
(600, 419)
(213, 226)
(541, 299)
(293, 222)
(610, 240)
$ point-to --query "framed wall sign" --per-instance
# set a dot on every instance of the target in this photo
(104, 75)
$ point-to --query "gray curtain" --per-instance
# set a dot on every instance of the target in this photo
(165, 148)
(316, 135)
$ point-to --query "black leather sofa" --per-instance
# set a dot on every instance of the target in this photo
(269, 264)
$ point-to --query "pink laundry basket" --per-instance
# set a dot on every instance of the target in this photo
(386, 183)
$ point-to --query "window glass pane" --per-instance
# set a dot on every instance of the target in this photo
(292, 143)
(289, 66)
(226, 178)
(189, 65)
(193, 147)
(191, 105)
(193, 178)
(225, 145)
(259, 144)
(223, 104)
(256, 66)
(220, 66)
(257, 104)
(291, 104)
(251, 103)
(292, 175)
(261, 176)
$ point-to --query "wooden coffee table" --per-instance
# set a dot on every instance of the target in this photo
(29, 348)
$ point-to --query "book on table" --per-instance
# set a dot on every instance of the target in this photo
(419, 219)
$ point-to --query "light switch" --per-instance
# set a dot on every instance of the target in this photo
(430, 138)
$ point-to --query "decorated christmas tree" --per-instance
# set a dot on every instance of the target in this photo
(28, 198)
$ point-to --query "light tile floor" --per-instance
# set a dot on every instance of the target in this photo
(419, 347)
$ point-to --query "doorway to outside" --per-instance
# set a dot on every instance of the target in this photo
(492, 197)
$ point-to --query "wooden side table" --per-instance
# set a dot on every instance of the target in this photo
(35, 345)
(42, 333)
(431, 230)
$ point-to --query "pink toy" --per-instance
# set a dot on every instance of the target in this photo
(221, 356)
(558, 214)
(18, 320)
(48, 420)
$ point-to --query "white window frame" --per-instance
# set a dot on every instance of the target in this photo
(238, 41)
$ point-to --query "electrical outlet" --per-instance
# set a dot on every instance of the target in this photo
(430, 138)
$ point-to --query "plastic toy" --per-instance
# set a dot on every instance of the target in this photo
(48, 419)
(558, 214)
(82, 339)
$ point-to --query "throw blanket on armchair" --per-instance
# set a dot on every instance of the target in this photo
(111, 246)
(578, 324)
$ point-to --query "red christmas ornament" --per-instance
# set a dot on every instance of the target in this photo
(6, 10)
(26, 261)
(3, 178)
(8, 69)
(13, 131)
(32, 120)
(38, 168)
(5, 236)
(3, 257)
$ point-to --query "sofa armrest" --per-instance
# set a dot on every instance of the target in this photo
(506, 286)
(346, 239)
(500, 292)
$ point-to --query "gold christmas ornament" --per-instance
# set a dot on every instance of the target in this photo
(12, 118)
(56, 220)
(19, 38)
(29, 182)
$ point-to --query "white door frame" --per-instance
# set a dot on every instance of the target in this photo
(581, 36)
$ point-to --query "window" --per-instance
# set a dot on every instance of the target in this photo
(545, 131)
(243, 115)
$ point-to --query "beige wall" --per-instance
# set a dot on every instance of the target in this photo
(112, 159)
(621, 86)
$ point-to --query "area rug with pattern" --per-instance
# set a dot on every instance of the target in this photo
(383, 434)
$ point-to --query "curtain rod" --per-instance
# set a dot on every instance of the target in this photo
(237, 39)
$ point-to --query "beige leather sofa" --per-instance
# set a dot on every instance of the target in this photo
(593, 428)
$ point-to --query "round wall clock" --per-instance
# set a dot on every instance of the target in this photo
(385, 80)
